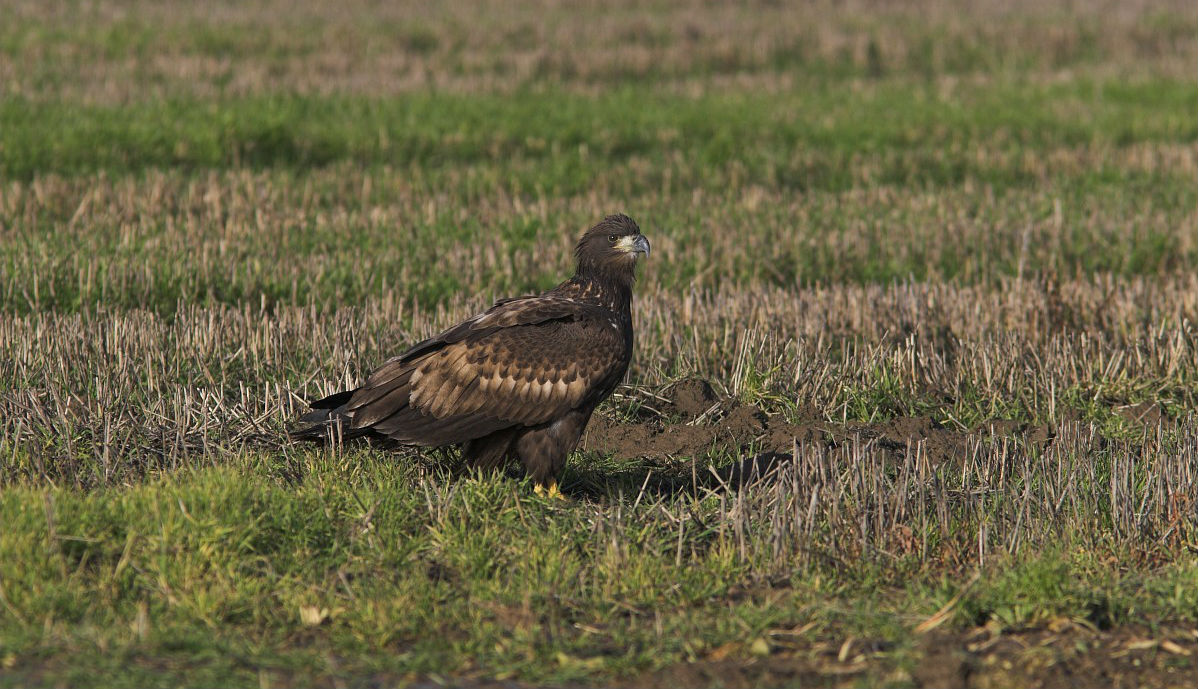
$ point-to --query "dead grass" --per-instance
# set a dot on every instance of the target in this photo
(100, 395)
(109, 52)
(344, 235)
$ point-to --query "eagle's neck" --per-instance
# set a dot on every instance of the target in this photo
(614, 294)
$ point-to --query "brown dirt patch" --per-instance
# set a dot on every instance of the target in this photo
(704, 421)
(690, 397)
(688, 418)
(1062, 655)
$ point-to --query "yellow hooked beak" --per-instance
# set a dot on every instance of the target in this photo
(634, 244)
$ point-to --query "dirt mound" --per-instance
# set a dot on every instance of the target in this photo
(705, 421)
(689, 418)
(690, 397)
(656, 440)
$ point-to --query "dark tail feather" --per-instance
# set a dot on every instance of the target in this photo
(337, 399)
(325, 420)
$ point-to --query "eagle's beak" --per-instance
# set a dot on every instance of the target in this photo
(634, 244)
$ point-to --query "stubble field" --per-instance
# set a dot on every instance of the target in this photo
(915, 393)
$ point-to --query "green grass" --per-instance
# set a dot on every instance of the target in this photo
(805, 140)
(208, 571)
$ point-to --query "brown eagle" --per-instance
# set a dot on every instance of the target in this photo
(518, 380)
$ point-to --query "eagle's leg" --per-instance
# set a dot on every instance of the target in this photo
(543, 450)
(489, 452)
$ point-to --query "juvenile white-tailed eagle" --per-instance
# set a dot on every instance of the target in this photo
(518, 380)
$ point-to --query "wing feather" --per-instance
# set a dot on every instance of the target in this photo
(403, 375)
(387, 405)
(523, 362)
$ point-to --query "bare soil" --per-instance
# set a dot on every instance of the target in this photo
(1062, 654)
(688, 418)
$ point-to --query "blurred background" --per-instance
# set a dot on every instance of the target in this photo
(287, 150)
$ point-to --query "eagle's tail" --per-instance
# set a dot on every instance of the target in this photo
(327, 420)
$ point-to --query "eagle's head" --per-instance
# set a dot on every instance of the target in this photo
(611, 248)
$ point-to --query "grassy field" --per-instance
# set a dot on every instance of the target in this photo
(915, 394)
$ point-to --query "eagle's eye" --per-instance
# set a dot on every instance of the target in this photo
(611, 238)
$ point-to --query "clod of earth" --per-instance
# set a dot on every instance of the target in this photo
(689, 418)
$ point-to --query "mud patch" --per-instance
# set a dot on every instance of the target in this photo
(690, 419)
(1062, 655)
(655, 440)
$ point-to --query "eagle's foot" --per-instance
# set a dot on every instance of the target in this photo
(548, 490)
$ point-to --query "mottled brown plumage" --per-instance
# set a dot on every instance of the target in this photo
(518, 380)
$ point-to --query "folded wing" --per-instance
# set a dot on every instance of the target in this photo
(523, 362)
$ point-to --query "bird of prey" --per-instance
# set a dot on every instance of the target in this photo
(519, 380)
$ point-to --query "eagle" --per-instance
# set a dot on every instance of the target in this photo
(519, 380)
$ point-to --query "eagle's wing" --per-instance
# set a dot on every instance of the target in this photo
(522, 362)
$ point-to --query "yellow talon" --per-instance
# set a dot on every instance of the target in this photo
(548, 490)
